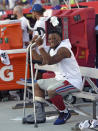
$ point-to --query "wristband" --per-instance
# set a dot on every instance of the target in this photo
(40, 47)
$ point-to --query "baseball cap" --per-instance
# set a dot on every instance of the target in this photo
(37, 7)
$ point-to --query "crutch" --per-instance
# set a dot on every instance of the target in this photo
(26, 68)
(39, 29)
(32, 76)
(26, 71)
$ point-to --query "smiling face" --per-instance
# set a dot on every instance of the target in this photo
(54, 40)
(36, 14)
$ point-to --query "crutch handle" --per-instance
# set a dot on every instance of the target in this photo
(39, 29)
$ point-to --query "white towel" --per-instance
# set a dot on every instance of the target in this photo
(4, 57)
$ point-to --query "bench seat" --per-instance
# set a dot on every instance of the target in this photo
(86, 95)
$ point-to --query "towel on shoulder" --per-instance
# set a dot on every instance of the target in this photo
(4, 57)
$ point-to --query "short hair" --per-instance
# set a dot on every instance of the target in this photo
(55, 32)
(18, 8)
(42, 11)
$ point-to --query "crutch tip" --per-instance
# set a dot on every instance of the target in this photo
(24, 121)
(36, 125)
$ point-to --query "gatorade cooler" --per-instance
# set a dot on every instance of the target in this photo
(10, 34)
(11, 38)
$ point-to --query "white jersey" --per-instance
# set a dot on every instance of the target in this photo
(24, 25)
(41, 23)
(68, 69)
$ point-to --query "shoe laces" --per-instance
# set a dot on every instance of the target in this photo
(61, 115)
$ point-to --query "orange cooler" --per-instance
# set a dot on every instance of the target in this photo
(11, 38)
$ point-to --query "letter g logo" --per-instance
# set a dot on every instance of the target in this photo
(6, 74)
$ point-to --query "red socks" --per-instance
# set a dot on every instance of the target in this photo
(58, 102)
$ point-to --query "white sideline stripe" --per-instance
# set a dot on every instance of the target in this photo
(15, 51)
(47, 118)
(80, 113)
(51, 117)
(16, 119)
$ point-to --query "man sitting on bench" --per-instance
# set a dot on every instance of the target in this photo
(67, 77)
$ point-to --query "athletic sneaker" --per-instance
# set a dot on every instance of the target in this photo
(88, 124)
(63, 117)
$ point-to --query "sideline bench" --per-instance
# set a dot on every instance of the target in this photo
(87, 74)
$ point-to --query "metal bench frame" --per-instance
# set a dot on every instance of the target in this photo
(87, 73)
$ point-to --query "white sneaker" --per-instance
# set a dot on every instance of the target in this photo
(84, 125)
(88, 124)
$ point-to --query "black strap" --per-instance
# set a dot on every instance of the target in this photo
(39, 29)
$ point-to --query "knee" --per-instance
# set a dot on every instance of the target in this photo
(51, 93)
(38, 91)
(36, 86)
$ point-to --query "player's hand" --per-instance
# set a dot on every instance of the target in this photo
(39, 41)
(34, 38)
